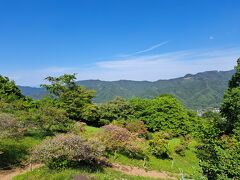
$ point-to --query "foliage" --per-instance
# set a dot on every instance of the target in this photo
(118, 139)
(78, 128)
(90, 114)
(215, 119)
(70, 96)
(15, 152)
(45, 117)
(9, 126)
(164, 113)
(8, 90)
(183, 146)
(180, 149)
(117, 109)
(235, 80)
(134, 126)
(230, 108)
(137, 127)
(66, 150)
(159, 146)
(220, 157)
(220, 149)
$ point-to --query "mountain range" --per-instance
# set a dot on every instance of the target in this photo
(199, 91)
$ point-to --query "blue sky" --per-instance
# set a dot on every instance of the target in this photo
(117, 39)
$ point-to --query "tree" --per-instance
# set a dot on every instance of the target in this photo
(46, 117)
(69, 95)
(117, 109)
(8, 90)
(230, 108)
(165, 113)
(220, 149)
(235, 81)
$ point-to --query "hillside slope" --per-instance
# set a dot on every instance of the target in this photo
(197, 91)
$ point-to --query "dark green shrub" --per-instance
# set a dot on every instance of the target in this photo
(103, 122)
(164, 113)
(183, 146)
(180, 149)
(13, 153)
(116, 109)
(159, 146)
(46, 117)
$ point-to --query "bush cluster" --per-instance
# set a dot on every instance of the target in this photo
(134, 126)
(158, 146)
(78, 128)
(118, 139)
(66, 150)
(9, 126)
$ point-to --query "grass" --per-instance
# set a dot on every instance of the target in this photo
(188, 164)
(67, 174)
(91, 131)
(16, 151)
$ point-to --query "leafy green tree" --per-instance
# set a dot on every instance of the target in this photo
(44, 116)
(117, 109)
(220, 149)
(230, 108)
(235, 81)
(69, 95)
(8, 90)
(163, 113)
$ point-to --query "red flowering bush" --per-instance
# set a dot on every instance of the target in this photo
(66, 150)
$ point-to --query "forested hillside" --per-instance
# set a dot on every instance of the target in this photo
(197, 91)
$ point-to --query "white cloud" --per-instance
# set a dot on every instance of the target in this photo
(211, 38)
(164, 66)
(152, 47)
(145, 50)
(144, 67)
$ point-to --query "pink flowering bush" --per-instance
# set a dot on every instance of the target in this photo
(118, 139)
(137, 127)
(9, 126)
(66, 150)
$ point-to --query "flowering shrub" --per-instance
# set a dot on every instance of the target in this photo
(118, 139)
(137, 127)
(9, 126)
(134, 126)
(66, 150)
(78, 128)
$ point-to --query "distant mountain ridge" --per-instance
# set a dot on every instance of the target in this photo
(196, 91)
